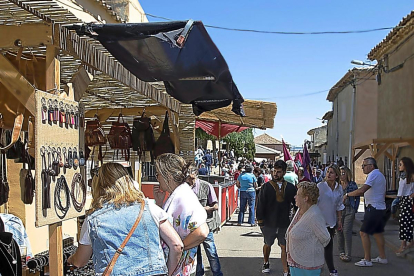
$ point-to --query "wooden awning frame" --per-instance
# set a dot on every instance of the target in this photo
(378, 147)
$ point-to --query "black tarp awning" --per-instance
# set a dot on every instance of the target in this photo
(193, 72)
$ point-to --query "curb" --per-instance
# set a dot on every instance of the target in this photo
(409, 255)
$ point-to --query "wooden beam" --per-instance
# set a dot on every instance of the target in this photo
(382, 150)
(53, 70)
(80, 82)
(55, 249)
(175, 134)
(361, 152)
(26, 35)
(17, 84)
(105, 113)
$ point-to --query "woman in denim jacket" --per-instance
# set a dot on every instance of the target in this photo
(348, 215)
(189, 217)
(115, 207)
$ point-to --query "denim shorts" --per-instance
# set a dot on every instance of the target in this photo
(373, 221)
(271, 233)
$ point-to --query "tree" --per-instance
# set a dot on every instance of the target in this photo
(241, 142)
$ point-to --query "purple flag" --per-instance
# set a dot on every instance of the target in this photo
(286, 153)
(306, 162)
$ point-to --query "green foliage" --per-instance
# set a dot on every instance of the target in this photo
(242, 143)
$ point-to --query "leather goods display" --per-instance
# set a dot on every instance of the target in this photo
(15, 151)
(94, 134)
(120, 138)
(46, 180)
(110, 267)
(142, 135)
(4, 184)
(164, 143)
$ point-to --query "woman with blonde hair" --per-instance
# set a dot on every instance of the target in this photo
(351, 204)
(307, 234)
(331, 206)
(189, 217)
(116, 205)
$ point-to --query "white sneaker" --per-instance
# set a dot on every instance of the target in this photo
(364, 263)
(379, 260)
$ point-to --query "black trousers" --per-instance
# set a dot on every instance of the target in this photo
(329, 251)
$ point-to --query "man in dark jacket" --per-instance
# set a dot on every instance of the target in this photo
(275, 200)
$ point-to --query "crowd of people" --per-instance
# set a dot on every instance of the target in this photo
(303, 215)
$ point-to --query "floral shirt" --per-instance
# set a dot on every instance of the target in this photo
(187, 215)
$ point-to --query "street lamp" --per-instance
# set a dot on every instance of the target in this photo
(359, 62)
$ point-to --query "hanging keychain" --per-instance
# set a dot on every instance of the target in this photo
(55, 111)
(70, 157)
(76, 117)
(59, 153)
(62, 118)
(44, 110)
(67, 115)
(50, 112)
(55, 162)
(45, 183)
(75, 158)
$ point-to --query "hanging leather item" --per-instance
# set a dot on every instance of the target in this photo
(15, 134)
(4, 185)
(120, 137)
(27, 184)
(94, 134)
(142, 135)
(164, 143)
(81, 158)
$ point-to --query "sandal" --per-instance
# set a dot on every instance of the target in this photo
(401, 251)
(347, 259)
(341, 256)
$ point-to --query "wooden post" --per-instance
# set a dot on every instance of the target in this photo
(55, 230)
(55, 249)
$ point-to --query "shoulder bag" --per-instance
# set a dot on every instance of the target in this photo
(164, 143)
(4, 184)
(111, 265)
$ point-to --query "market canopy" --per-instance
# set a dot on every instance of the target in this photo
(218, 129)
(179, 53)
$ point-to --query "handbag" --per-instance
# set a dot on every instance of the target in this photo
(120, 137)
(94, 134)
(110, 267)
(164, 143)
(142, 134)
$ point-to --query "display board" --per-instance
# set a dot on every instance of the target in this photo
(60, 184)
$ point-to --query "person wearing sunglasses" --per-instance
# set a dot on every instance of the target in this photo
(374, 199)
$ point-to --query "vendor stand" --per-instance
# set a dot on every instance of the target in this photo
(60, 80)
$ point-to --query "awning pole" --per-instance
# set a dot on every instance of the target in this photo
(219, 138)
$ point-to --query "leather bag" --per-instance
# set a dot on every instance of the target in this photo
(94, 134)
(164, 143)
(142, 134)
(120, 137)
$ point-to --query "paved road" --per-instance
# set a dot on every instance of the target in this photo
(240, 251)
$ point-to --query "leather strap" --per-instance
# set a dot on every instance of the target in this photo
(111, 265)
(18, 122)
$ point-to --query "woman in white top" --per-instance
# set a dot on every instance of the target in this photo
(330, 203)
(189, 217)
(307, 234)
(406, 194)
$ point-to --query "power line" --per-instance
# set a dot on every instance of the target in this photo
(291, 33)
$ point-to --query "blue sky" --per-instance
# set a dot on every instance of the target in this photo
(281, 68)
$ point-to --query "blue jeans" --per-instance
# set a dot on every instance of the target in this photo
(247, 198)
(212, 256)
